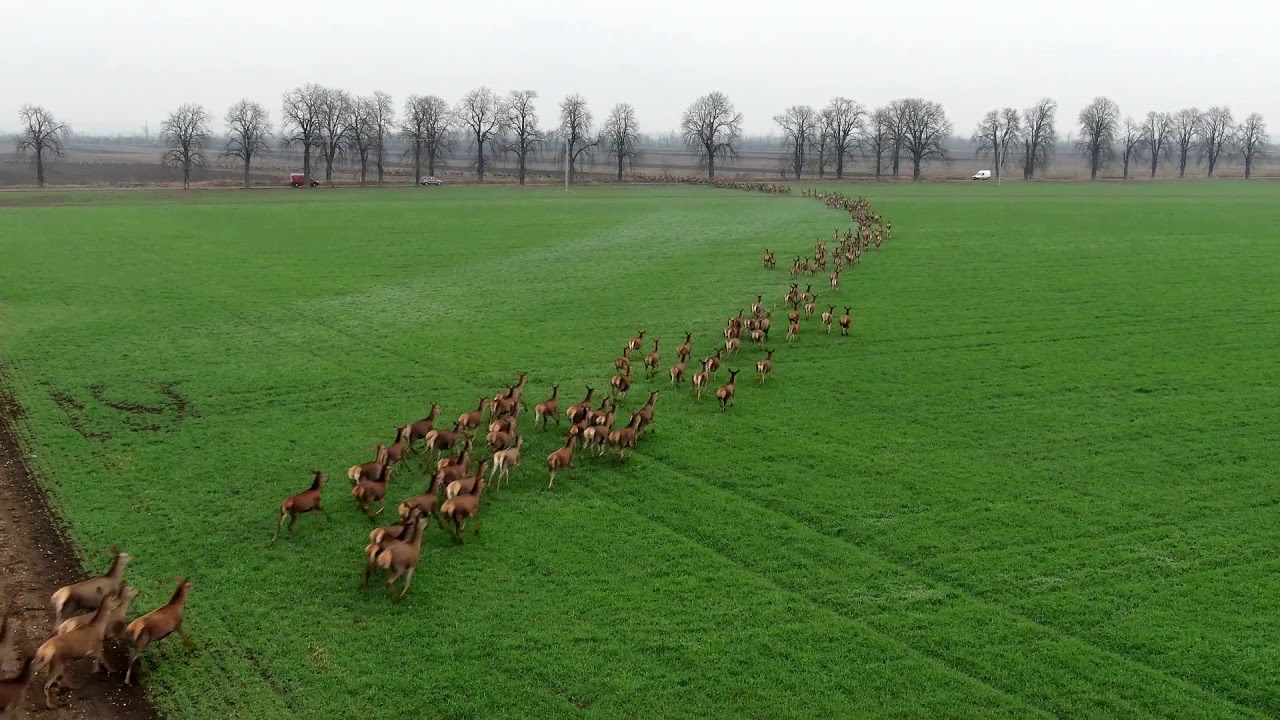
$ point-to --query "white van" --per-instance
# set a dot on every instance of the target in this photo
(981, 175)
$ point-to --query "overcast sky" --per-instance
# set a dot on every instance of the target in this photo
(111, 66)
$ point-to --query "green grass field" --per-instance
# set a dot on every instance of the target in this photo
(1039, 480)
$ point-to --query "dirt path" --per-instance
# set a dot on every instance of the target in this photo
(35, 560)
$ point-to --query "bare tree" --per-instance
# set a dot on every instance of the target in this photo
(300, 121)
(521, 120)
(576, 130)
(335, 126)
(621, 135)
(384, 126)
(1130, 142)
(1216, 126)
(998, 130)
(426, 126)
(878, 138)
(844, 120)
(248, 127)
(363, 132)
(711, 128)
(186, 132)
(1156, 129)
(1099, 122)
(798, 126)
(480, 114)
(1251, 140)
(41, 134)
(1186, 132)
(925, 128)
(1039, 136)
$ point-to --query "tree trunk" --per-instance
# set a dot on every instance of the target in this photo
(915, 166)
(379, 160)
(417, 162)
(480, 159)
(306, 164)
(711, 165)
(186, 174)
(879, 162)
(364, 167)
(620, 158)
(246, 171)
(1093, 161)
(1248, 166)
(328, 166)
(521, 155)
(897, 154)
(1182, 164)
(1213, 160)
(840, 166)
(431, 160)
(39, 166)
(1126, 166)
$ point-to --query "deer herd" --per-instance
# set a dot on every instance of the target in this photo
(457, 475)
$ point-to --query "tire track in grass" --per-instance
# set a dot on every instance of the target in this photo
(799, 567)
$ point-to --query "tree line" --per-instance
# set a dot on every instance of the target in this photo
(329, 124)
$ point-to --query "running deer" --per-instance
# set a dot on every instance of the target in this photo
(827, 317)
(504, 461)
(844, 322)
(731, 345)
(410, 434)
(158, 625)
(700, 379)
(368, 492)
(621, 383)
(303, 502)
(677, 373)
(635, 343)
(467, 484)
(651, 360)
(684, 350)
(794, 315)
(622, 364)
(765, 366)
(646, 412)
(88, 595)
(474, 419)
(793, 330)
(371, 470)
(548, 409)
(807, 295)
(57, 652)
(14, 690)
(757, 307)
(712, 364)
(561, 459)
(462, 508)
(810, 307)
(580, 410)
(835, 278)
(441, 440)
(398, 558)
(724, 393)
(115, 623)
(626, 437)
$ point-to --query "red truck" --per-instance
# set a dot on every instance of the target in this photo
(299, 179)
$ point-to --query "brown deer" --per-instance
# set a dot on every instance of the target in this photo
(368, 492)
(57, 652)
(712, 364)
(410, 434)
(684, 350)
(115, 623)
(622, 364)
(765, 366)
(835, 278)
(561, 459)
(651, 360)
(793, 330)
(827, 317)
(731, 345)
(506, 460)
(158, 625)
(810, 307)
(844, 322)
(621, 383)
(757, 307)
(576, 412)
(626, 437)
(440, 440)
(548, 409)
(474, 419)
(462, 508)
(635, 343)
(88, 595)
(646, 412)
(677, 373)
(371, 470)
(398, 558)
(724, 393)
(303, 502)
(466, 485)
(14, 690)
(794, 315)
(700, 379)
(807, 295)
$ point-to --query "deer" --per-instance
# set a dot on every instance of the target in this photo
(504, 424)
(651, 360)
(757, 307)
(810, 307)
(677, 373)
(466, 485)
(580, 410)
(626, 437)
(462, 508)
(724, 393)
(807, 295)
(600, 415)
(835, 278)
(398, 558)
(757, 337)
(684, 350)
(474, 419)
(301, 503)
(548, 409)
(793, 295)
(844, 322)
(441, 440)
(793, 330)
(765, 323)
(115, 622)
(731, 345)
(765, 366)
(370, 470)
(598, 434)
(420, 506)
(14, 690)
(622, 364)
(700, 379)
(413, 432)
(368, 492)
(827, 317)
(157, 625)
(712, 363)
(635, 343)
(767, 255)
(504, 461)
(88, 595)
(621, 384)
(396, 451)
(56, 652)
(646, 412)
(561, 459)
(794, 315)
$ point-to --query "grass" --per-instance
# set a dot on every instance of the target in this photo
(1038, 481)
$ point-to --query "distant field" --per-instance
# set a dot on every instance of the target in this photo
(1038, 481)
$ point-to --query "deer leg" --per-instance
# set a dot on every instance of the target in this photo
(408, 580)
(278, 526)
(101, 657)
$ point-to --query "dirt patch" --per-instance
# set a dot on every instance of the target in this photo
(35, 559)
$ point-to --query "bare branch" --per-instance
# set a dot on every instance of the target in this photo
(1099, 122)
(843, 121)
(1157, 131)
(248, 127)
(798, 125)
(41, 135)
(925, 127)
(186, 131)
(426, 124)
(1216, 128)
(576, 130)
(521, 120)
(711, 128)
(1039, 136)
(480, 113)
(1251, 141)
(300, 121)
(621, 136)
